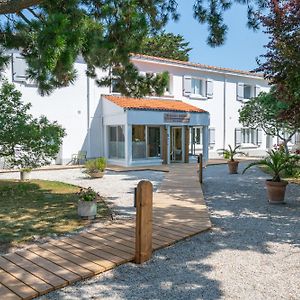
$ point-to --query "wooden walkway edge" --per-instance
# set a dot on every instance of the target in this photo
(179, 212)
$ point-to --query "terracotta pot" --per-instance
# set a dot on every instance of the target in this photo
(276, 191)
(25, 175)
(97, 174)
(233, 166)
(87, 209)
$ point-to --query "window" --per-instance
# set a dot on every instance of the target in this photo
(145, 141)
(247, 91)
(212, 136)
(197, 135)
(153, 142)
(198, 87)
(248, 136)
(114, 86)
(116, 142)
(138, 141)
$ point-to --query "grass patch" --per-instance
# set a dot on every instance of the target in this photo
(291, 179)
(39, 208)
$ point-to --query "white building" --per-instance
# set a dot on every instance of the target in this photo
(102, 123)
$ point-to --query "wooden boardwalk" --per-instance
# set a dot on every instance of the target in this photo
(179, 211)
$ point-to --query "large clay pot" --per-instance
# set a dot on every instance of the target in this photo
(87, 209)
(233, 166)
(96, 174)
(276, 191)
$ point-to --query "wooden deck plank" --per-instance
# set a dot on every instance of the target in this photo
(23, 275)
(106, 263)
(7, 294)
(63, 273)
(65, 263)
(86, 252)
(111, 246)
(82, 262)
(46, 276)
(104, 252)
(18, 287)
(179, 211)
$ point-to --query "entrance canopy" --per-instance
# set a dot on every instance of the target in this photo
(145, 131)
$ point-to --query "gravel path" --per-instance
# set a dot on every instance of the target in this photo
(253, 252)
(116, 187)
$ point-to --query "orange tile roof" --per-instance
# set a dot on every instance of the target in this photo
(152, 104)
(197, 65)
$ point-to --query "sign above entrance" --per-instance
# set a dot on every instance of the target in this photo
(177, 118)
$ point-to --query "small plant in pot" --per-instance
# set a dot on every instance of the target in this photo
(277, 162)
(95, 168)
(87, 204)
(230, 154)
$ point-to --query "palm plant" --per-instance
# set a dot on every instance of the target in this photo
(231, 152)
(277, 161)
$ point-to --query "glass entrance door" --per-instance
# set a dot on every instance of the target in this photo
(176, 144)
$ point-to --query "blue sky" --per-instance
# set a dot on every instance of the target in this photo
(242, 45)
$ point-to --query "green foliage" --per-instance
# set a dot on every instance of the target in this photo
(87, 194)
(104, 33)
(95, 165)
(129, 82)
(281, 63)
(277, 161)
(265, 112)
(231, 152)
(167, 45)
(26, 142)
(53, 34)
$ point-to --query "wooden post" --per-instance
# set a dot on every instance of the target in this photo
(200, 167)
(143, 232)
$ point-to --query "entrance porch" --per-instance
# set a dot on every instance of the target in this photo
(145, 132)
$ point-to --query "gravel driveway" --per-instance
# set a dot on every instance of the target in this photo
(116, 187)
(253, 252)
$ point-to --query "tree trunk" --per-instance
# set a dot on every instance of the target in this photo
(286, 149)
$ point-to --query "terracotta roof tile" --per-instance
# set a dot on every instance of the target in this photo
(197, 65)
(152, 104)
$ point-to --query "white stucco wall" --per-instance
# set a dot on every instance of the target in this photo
(223, 107)
(79, 110)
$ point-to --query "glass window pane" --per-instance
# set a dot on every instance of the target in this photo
(138, 142)
(247, 91)
(196, 86)
(154, 141)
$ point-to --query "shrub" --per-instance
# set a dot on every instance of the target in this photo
(87, 194)
(95, 165)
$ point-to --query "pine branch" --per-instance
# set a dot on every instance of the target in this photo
(14, 6)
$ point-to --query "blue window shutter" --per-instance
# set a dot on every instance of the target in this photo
(257, 90)
(209, 88)
(259, 136)
(187, 85)
(240, 91)
(19, 67)
(238, 136)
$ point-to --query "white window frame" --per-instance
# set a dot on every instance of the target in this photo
(252, 91)
(202, 93)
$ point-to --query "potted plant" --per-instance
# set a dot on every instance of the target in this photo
(87, 204)
(277, 162)
(230, 154)
(25, 174)
(95, 167)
